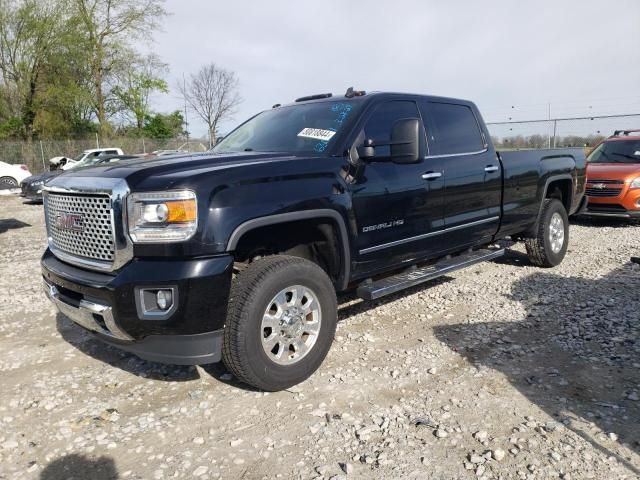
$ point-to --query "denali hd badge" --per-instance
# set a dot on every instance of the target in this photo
(70, 221)
(381, 226)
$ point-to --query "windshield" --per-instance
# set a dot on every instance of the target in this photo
(307, 128)
(626, 151)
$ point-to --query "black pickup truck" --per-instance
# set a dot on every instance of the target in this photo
(237, 254)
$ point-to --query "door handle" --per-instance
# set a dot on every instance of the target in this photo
(491, 168)
(431, 175)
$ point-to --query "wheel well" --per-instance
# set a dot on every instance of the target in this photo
(560, 189)
(316, 240)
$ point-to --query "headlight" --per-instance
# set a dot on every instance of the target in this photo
(162, 216)
(37, 183)
(635, 183)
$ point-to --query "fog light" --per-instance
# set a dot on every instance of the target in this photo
(153, 303)
(164, 299)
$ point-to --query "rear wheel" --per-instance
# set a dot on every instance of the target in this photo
(549, 246)
(281, 322)
(8, 182)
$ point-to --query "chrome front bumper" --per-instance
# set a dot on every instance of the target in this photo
(92, 316)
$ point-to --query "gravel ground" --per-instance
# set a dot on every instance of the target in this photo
(499, 371)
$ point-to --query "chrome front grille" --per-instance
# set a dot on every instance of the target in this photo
(599, 187)
(602, 180)
(81, 225)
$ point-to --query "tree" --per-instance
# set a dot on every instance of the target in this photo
(137, 83)
(213, 94)
(109, 26)
(164, 126)
(26, 44)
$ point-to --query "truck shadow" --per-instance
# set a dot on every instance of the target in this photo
(576, 355)
(88, 345)
(11, 224)
(130, 363)
(80, 467)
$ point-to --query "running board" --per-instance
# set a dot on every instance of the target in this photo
(411, 277)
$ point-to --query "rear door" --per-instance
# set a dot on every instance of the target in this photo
(472, 175)
(394, 205)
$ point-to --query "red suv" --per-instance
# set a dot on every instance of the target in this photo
(613, 176)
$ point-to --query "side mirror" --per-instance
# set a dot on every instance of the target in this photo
(367, 151)
(405, 141)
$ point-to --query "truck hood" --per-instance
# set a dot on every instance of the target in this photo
(169, 171)
(613, 171)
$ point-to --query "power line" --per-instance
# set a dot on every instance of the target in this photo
(547, 120)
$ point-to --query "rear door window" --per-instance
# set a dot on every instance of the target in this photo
(452, 129)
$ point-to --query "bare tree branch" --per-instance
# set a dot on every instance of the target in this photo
(212, 93)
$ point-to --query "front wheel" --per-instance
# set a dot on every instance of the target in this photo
(549, 246)
(281, 322)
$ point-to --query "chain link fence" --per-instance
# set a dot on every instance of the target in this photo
(559, 132)
(36, 154)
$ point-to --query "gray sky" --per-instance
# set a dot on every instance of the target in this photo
(582, 56)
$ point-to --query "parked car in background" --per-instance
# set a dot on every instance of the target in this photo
(161, 153)
(12, 175)
(66, 162)
(613, 176)
(31, 187)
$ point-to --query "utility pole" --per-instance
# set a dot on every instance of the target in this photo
(549, 117)
(186, 120)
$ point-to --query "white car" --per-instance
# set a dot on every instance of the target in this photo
(12, 175)
(66, 162)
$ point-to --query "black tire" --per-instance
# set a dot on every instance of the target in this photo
(252, 292)
(539, 248)
(8, 182)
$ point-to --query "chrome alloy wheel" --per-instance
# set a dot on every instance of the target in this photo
(291, 324)
(556, 232)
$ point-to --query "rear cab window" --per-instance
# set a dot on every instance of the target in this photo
(452, 129)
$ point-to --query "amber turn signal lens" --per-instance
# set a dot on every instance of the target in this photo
(181, 211)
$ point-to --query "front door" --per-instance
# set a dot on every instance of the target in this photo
(396, 205)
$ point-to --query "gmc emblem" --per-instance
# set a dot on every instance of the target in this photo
(70, 221)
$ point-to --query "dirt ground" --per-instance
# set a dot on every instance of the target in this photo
(499, 371)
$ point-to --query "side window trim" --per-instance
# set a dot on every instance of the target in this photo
(462, 154)
(429, 125)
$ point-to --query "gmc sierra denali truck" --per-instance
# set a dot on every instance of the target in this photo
(236, 254)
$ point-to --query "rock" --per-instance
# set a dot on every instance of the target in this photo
(10, 445)
(235, 443)
(346, 468)
(441, 433)
(498, 454)
(612, 436)
(481, 435)
(633, 396)
(475, 458)
(198, 440)
(201, 470)
(432, 371)
(365, 432)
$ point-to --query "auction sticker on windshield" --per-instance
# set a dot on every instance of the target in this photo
(317, 133)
